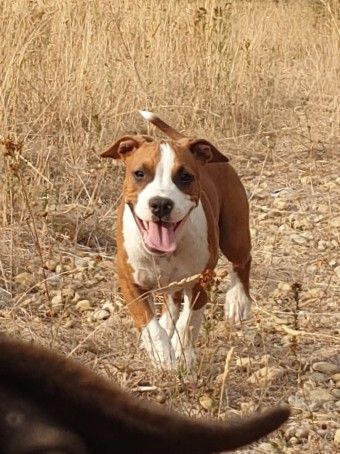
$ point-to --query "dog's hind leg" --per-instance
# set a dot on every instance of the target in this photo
(235, 244)
(237, 300)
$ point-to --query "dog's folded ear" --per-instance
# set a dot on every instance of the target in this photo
(125, 146)
(205, 151)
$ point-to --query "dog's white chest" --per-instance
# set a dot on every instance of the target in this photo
(154, 271)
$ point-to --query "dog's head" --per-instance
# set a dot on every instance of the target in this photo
(162, 182)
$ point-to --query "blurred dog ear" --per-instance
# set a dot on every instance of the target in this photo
(125, 146)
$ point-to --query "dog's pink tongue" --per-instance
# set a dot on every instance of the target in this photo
(160, 236)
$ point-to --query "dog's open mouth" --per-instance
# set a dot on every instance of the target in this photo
(160, 236)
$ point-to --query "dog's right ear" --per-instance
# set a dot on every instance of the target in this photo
(125, 146)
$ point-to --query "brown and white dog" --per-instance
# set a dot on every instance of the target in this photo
(182, 202)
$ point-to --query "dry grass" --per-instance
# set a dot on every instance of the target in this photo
(261, 79)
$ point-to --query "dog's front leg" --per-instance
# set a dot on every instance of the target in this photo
(157, 343)
(188, 325)
(170, 312)
(155, 339)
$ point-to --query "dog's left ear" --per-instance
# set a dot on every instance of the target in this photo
(205, 151)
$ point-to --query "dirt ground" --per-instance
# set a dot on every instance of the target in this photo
(276, 115)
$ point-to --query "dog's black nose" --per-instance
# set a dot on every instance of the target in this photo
(161, 206)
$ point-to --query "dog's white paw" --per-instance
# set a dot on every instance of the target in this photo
(158, 345)
(237, 304)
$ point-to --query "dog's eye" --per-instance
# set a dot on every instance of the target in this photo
(138, 174)
(184, 177)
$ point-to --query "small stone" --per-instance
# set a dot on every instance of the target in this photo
(69, 323)
(160, 398)
(284, 287)
(76, 298)
(266, 447)
(282, 320)
(265, 359)
(337, 437)
(108, 306)
(243, 362)
(302, 432)
(5, 297)
(56, 303)
(57, 300)
(320, 395)
(297, 402)
(280, 204)
(90, 318)
(305, 180)
(80, 262)
(24, 279)
(323, 245)
(308, 386)
(68, 267)
(59, 269)
(206, 402)
(318, 377)
(336, 393)
(298, 239)
(247, 407)
(53, 280)
(290, 432)
(83, 305)
(51, 265)
(328, 406)
(336, 377)
(266, 374)
(101, 314)
(68, 293)
(326, 368)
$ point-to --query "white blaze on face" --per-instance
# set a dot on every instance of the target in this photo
(163, 186)
(162, 236)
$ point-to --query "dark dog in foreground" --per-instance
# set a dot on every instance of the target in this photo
(50, 404)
